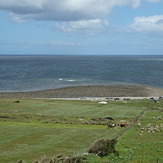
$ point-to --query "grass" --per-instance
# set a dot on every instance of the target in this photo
(138, 145)
(141, 145)
(68, 108)
(29, 142)
(36, 127)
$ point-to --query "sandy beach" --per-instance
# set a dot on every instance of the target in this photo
(89, 91)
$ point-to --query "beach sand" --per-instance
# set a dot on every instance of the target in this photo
(89, 91)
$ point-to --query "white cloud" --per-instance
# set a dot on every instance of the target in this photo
(72, 15)
(154, 0)
(62, 43)
(89, 26)
(62, 10)
(147, 24)
(16, 18)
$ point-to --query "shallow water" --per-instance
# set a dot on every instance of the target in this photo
(27, 73)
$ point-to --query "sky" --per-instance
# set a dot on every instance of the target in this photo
(81, 27)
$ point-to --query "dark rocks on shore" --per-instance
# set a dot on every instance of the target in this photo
(86, 91)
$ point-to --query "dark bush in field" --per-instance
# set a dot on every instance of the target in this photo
(16, 101)
(103, 147)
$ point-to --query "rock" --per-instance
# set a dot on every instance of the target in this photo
(109, 118)
(102, 102)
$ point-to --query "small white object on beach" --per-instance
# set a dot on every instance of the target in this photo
(102, 102)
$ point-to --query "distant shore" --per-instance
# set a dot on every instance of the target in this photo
(89, 91)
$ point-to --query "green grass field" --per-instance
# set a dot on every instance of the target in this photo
(142, 144)
(145, 143)
(33, 128)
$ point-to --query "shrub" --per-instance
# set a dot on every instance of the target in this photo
(103, 147)
(62, 159)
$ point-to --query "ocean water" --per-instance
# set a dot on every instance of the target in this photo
(30, 73)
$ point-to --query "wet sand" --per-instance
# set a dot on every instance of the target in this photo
(89, 91)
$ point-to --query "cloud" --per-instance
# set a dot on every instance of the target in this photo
(89, 26)
(62, 43)
(154, 0)
(16, 18)
(62, 10)
(74, 15)
(147, 24)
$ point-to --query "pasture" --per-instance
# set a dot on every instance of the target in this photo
(144, 143)
(32, 128)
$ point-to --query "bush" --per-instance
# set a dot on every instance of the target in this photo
(103, 147)
(62, 159)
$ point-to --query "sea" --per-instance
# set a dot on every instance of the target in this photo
(20, 73)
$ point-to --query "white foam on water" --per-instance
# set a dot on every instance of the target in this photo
(71, 80)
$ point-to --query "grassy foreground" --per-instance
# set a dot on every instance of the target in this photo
(33, 128)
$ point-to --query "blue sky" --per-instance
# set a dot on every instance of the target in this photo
(107, 27)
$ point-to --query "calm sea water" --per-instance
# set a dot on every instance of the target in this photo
(28, 73)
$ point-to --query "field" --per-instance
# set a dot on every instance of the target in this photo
(32, 128)
(145, 143)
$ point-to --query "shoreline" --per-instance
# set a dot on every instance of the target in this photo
(91, 91)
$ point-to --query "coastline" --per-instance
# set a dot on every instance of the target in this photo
(91, 91)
